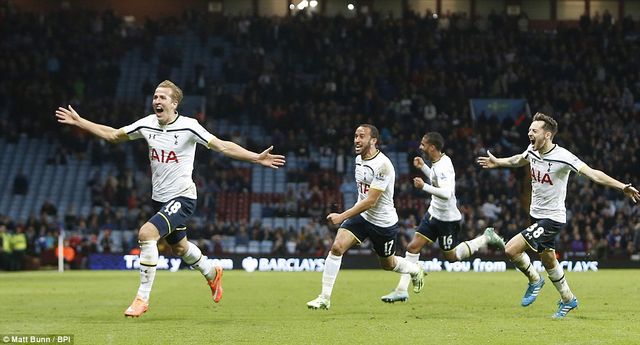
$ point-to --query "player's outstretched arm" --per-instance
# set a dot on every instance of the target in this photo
(372, 198)
(267, 159)
(490, 161)
(600, 177)
(233, 150)
(70, 117)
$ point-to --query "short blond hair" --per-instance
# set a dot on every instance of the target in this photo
(176, 92)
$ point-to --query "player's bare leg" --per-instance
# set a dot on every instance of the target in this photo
(343, 241)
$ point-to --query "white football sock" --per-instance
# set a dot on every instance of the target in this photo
(556, 275)
(464, 250)
(194, 258)
(468, 248)
(405, 266)
(148, 263)
(523, 263)
(331, 268)
(403, 284)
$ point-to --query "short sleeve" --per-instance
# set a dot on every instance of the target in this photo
(383, 177)
(133, 130)
(573, 162)
(202, 136)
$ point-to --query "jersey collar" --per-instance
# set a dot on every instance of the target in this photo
(546, 153)
(174, 120)
(372, 157)
(442, 154)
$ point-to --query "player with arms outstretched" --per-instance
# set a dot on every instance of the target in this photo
(442, 220)
(373, 216)
(172, 140)
(550, 167)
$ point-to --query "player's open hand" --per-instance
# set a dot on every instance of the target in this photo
(334, 218)
(418, 162)
(489, 161)
(418, 182)
(272, 161)
(68, 116)
(631, 192)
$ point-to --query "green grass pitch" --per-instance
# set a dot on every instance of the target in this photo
(269, 308)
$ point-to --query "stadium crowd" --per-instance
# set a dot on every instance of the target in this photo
(308, 80)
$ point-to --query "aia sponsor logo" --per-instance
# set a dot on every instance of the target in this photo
(163, 156)
(539, 177)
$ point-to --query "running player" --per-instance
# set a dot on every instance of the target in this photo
(442, 220)
(550, 167)
(172, 140)
(373, 216)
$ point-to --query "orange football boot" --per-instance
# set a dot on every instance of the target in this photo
(137, 308)
(216, 285)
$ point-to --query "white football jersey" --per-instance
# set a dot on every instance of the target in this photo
(549, 177)
(377, 173)
(172, 151)
(443, 175)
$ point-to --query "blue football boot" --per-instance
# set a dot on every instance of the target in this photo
(532, 292)
(565, 308)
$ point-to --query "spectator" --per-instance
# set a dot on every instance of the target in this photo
(279, 246)
(5, 248)
(68, 253)
(105, 242)
(20, 184)
(49, 209)
(242, 237)
(429, 111)
(490, 209)
(18, 249)
(577, 245)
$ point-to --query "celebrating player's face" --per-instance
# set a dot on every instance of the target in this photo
(537, 135)
(163, 105)
(362, 140)
(426, 147)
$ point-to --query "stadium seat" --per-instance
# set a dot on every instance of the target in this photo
(254, 247)
(279, 222)
(241, 249)
(265, 246)
(291, 247)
